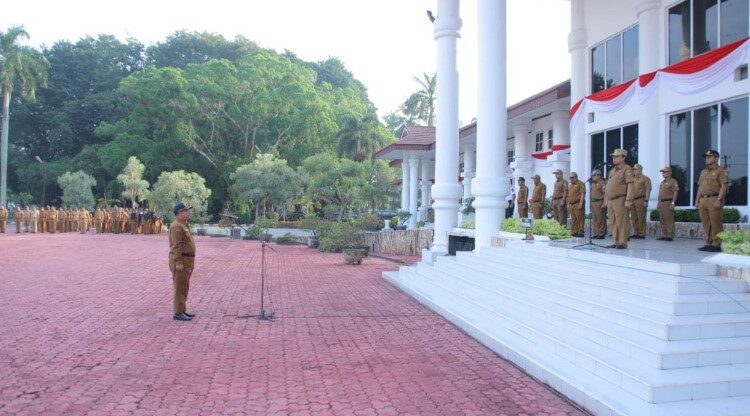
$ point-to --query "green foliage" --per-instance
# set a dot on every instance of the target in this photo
(469, 209)
(469, 224)
(336, 236)
(394, 222)
(549, 228)
(285, 239)
(369, 222)
(735, 242)
(421, 224)
(180, 186)
(267, 223)
(359, 138)
(728, 215)
(76, 189)
(314, 224)
(419, 107)
(336, 181)
(136, 188)
(268, 180)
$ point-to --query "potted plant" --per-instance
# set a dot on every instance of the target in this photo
(402, 218)
(353, 255)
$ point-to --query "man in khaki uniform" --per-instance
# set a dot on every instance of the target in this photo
(52, 220)
(618, 197)
(559, 196)
(537, 197)
(668, 191)
(62, 220)
(522, 201)
(43, 220)
(181, 260)
(598, 211)
(712, 191)
(641, 195)
(34, 215)
(576, 202)
(18, 217)
(27, 220)
(3, 218)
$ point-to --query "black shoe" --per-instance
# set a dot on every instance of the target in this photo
(181, 317)
(668, 239)
(704, 248)
(714, 249)
(612, 246)
(600, 237)
(662, 238)
(621, 246)
(189, 315)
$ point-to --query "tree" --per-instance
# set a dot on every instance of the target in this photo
(335, 181)
(131, 178)
(359, 138)
(22, 67)
(76, 189)
(421, 104)
(180, 186)
(266, 180)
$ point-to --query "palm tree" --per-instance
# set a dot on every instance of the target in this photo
(421, 104)
(22, 67)
(358, 137)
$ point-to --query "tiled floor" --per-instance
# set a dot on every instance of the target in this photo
(87, 329)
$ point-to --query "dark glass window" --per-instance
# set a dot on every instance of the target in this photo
(603, 144)
(734, 20)
(705, 137)
(614, 61)
(539, 142)
(679, 153)
(598, 63)
(679, 32)
(630, 143)
(597, 152)
(630, 54)
(734, 148)
(705, 26)
(549, 138)
(613, 141)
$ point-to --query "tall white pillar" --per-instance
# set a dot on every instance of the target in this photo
(578, 82)
(413, 191)
(404, 185)
(522, 166)
(652, 145)
(446, 191)
(560, 137)
(470, 163)
(425, 206)
(491, 185)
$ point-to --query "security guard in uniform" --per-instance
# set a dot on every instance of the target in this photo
(522, 200)
(18, 217)
(181, 260)
(559, 196)
(712, 191)
(618, 197)
(3, 218)
(598, 211)
(576, 202)
(537, 197)
(642, 192)
(668, 191)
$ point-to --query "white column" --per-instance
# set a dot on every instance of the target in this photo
(413, 192)
(578, 82)
(561, 136)
(650, 153)
(522, 165)
(425, 206)
(404, 185)
(491, 185)
(446, 191)
(470, 163)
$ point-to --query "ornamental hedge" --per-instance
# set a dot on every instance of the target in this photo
(728, 215)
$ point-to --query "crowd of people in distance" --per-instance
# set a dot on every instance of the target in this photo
(115, 220)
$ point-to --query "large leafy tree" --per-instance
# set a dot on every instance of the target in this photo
(180, 186)
(23, 68)
(335, 181)
(76, 187)
(359, 138)
(131, 178)
(266, 180)
(419, 107)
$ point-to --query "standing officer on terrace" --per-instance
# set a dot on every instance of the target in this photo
(576, 202)
(618, 197)
(522, 200)
(537, 197)
(598, 211)
(668, 191)
(712, 191)
(181, 260)
(642, 192)
(559, 196)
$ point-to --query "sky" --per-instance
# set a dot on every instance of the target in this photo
(385, 43)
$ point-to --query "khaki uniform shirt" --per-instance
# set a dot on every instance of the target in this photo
(523, 195)
(18, 214)
(597, 191)
(576, 190)
(180, 241)
(540, 192)
(668, 189)
(3, 214)
(641, 186)
(560, 187)
(617, 183)
(711, 180)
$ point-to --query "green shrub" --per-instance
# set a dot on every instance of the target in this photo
(469, 206)
(421, 224)
(369, 222)
(394, 221)
(469, 224)
(728, 215)
(735, 242)
(253, 232)
(336, 236)
(285, 240)
(314, 224)
(290, 224)
(549, 228)
(267, 223)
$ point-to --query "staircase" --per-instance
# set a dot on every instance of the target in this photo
(617, 335)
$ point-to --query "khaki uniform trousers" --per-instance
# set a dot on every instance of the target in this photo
(3, 225)
(620, 223)
(536, 210)
(51, 226)
(711, 219)
(181, 283)
(561, 212)
(523, 210)
(666, 218)
(638, 216)
(598, 218)
(576, 218)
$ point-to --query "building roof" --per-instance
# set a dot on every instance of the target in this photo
(412, 138)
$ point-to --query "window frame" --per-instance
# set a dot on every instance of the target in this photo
(603, 44)
(539, 142)
(621, 128)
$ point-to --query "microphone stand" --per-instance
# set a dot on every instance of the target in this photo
(591, 245)
(262, 315)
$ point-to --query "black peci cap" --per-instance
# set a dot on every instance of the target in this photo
(711, 153)
(180, 207)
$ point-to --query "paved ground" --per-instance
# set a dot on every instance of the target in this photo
(87, 329)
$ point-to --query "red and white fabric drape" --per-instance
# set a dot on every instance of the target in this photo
(540, 159)
(688, 77)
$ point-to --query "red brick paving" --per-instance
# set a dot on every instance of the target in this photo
(87, 329)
